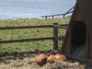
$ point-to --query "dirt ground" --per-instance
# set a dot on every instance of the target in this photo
(27, 62)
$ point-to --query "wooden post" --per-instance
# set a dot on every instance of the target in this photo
(55, 34)
(46, 17)
(63, 15)
(52, 17)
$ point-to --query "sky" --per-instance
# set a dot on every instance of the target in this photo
(33, 8)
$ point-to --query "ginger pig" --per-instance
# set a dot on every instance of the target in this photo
(41, 59)
(60, 57)
(50, 59)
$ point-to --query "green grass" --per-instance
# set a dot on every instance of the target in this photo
(29, 33)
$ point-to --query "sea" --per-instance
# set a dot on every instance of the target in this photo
(14, 9)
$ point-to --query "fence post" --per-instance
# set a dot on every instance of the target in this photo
(52, 17)
(55, 34)
(64, 15)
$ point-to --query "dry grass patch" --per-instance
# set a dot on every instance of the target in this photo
(29, 63)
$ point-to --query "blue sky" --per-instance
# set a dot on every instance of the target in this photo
(31, 8)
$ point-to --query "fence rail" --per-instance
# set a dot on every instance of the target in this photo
(40, 26)
(55, 36)
(64, 14)
(25, 27)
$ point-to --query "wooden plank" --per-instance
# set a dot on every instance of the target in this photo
(53, 15)
(25, 27)
(55, 34)
(62, 26)
(60, 37)
(30, 39)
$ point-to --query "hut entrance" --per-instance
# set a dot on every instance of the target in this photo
(78, 38)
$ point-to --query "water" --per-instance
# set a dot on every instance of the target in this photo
(13, 9)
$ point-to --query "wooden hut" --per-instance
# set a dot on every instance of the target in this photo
(79, 32)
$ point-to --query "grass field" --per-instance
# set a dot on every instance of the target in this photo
(21, 55)
(29, 33)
